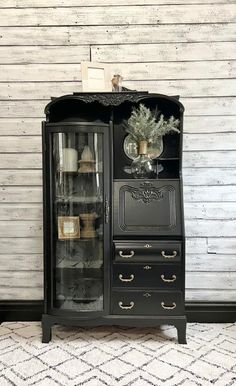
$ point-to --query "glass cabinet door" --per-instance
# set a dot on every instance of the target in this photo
(78, 220)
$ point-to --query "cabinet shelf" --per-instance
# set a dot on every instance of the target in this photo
(85, 273)
(77, 267)
(89, 173)
(129, 180)
(82, 300)
(83, 305)
(81, 240)
(167, 159)
(77, 200)
(77, 172)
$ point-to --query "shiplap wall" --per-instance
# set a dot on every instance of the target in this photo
(184, 47)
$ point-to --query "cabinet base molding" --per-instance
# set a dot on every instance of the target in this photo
(180, 322)
(196, 312)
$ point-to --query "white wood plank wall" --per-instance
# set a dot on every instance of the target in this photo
(185, 47)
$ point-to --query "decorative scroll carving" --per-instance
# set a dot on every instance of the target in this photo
(104, 98)
(160, 198)
(110, 99)
(146, 193)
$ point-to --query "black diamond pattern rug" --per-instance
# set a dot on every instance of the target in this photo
(113, 356)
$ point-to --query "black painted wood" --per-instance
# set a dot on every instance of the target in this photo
(147, 251)
(145, 220)
(143, 208)
(161, 276)
(150, 302)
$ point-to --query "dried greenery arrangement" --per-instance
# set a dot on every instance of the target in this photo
(145, 125)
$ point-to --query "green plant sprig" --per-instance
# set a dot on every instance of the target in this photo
(144, 126)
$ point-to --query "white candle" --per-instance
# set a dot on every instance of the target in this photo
(69, 160)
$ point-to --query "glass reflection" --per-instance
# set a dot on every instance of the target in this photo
(78, 217)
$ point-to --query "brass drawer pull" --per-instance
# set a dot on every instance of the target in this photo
(131, 278)
(147, 267)
(169, 256)
(126, 256)
(168, 280)
(147, 246)
(168, 307)
(131, 304)
(147, 295)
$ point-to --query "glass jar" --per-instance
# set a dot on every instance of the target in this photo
(142, 166)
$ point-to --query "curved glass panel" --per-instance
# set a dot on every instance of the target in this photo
(78, 220)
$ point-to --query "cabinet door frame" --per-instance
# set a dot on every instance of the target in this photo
(48, 244)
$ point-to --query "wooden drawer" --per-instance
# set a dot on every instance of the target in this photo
(147, 251)
(164, 276)
(147, 303)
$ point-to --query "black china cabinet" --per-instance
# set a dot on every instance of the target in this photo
(114, 245)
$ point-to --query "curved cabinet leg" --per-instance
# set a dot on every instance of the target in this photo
(46, 330)
(181, 330)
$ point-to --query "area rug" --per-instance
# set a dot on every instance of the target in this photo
(115, 356)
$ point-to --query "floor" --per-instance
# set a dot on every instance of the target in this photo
(117, 356)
